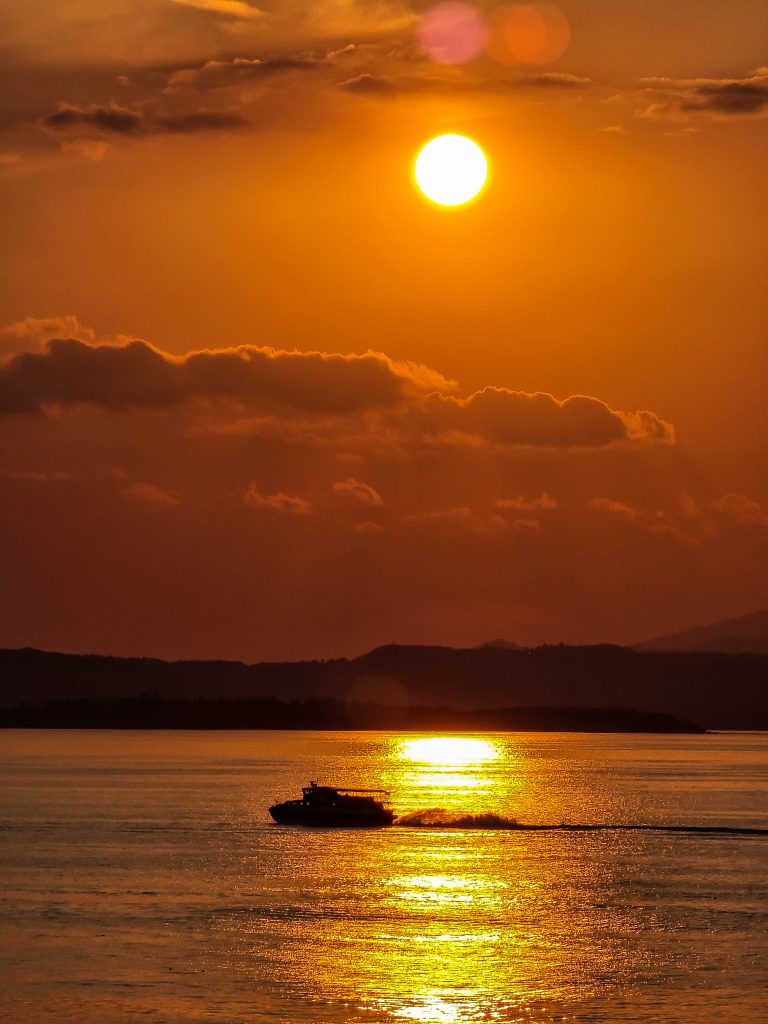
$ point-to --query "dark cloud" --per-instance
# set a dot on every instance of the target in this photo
(551, 80)
(745, 97)
(278, 386)
(71, 372)
(514, 417)
(719, 96)
(112, 119)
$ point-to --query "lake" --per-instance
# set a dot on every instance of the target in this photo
(144, 881)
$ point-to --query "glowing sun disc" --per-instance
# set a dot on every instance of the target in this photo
(451, 170)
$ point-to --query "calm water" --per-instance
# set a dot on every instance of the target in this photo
(143, 881)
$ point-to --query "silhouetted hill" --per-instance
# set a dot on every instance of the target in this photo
(507, 645)
(719, 691)
(747, 634)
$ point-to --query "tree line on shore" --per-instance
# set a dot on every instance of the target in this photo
(151, 711)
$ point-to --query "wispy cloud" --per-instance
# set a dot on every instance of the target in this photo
(358, 491)
(286, 504)
(115, 120)
(227, 8)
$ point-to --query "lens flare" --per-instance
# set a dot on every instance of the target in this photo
(450, 751)
(451, 170)
(452, 32)
(536, 33)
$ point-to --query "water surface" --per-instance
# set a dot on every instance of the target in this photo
(143, 881)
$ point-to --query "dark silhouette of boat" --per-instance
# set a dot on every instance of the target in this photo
(334, 807)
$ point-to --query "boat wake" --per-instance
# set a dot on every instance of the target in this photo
(438, 817)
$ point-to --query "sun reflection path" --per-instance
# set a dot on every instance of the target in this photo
(453, 774)
(450, 751)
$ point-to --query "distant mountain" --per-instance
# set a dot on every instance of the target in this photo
(747, 634)
(505, 645)
(719, 691)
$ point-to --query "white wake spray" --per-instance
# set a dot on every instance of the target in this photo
(438, 817)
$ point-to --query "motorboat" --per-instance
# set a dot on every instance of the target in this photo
(335, 807)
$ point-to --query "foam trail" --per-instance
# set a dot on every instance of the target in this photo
(437, 817)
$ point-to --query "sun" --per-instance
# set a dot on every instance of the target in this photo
(451, 170)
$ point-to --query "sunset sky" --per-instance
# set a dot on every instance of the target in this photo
(260, 399)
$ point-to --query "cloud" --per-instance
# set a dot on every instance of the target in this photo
(110, 119)
(375, 85)
(730, 96)
(33, 333)
(682, 523)
(88, 149)
(488, 518)
(113, 120)
(515, 417)
(404, 75)
(222, 74)
(228, 8)
(544, 502)
(149, 494)
(41, 476)
(552, 80)
(523, 525)
(281, 392)
(616, 508)
(71, 372)
(247, 479)
(724, 97)
(368, 528)
(358, 491)
(742, 510)
(287, 504)
(463, 517)
(686, 520)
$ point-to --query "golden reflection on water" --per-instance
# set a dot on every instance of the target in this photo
(471, 927)
(472, 932)
(432, 770)
(449, 751)
(446, 924)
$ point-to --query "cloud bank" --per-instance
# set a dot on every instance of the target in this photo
(414, 400)
(243, 490)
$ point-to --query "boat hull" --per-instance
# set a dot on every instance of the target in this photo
(329, 817)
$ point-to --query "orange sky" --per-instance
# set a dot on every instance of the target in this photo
(233, 180)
